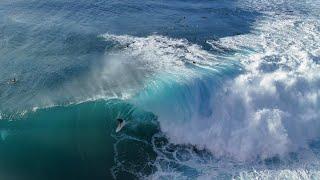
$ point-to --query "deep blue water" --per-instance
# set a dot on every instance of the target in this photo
(47, 43)
(209, 89)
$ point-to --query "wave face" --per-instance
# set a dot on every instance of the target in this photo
(199, 103)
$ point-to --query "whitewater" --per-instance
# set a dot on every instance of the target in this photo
(240, 106)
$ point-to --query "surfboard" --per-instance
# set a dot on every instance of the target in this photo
(11, 81)
(120, 126)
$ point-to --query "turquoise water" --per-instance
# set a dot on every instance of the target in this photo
(75, 142)
(208, 89)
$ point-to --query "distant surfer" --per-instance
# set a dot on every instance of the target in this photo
(13, 81)
(121, 123)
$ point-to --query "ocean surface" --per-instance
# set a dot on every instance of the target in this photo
(209, 89)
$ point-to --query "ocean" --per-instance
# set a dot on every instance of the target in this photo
(209, 89)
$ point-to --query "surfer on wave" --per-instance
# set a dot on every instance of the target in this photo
(121, 124)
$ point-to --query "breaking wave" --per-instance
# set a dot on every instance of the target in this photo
(270, 109)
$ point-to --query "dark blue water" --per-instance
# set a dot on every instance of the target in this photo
(46, 44)
(209, 89)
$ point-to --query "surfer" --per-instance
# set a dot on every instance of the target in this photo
(13, 81)
(121, 123)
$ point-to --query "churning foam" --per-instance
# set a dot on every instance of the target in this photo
(158, 53)
(298, 174)
(271, 109)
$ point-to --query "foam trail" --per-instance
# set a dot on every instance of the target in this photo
(280, 174)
